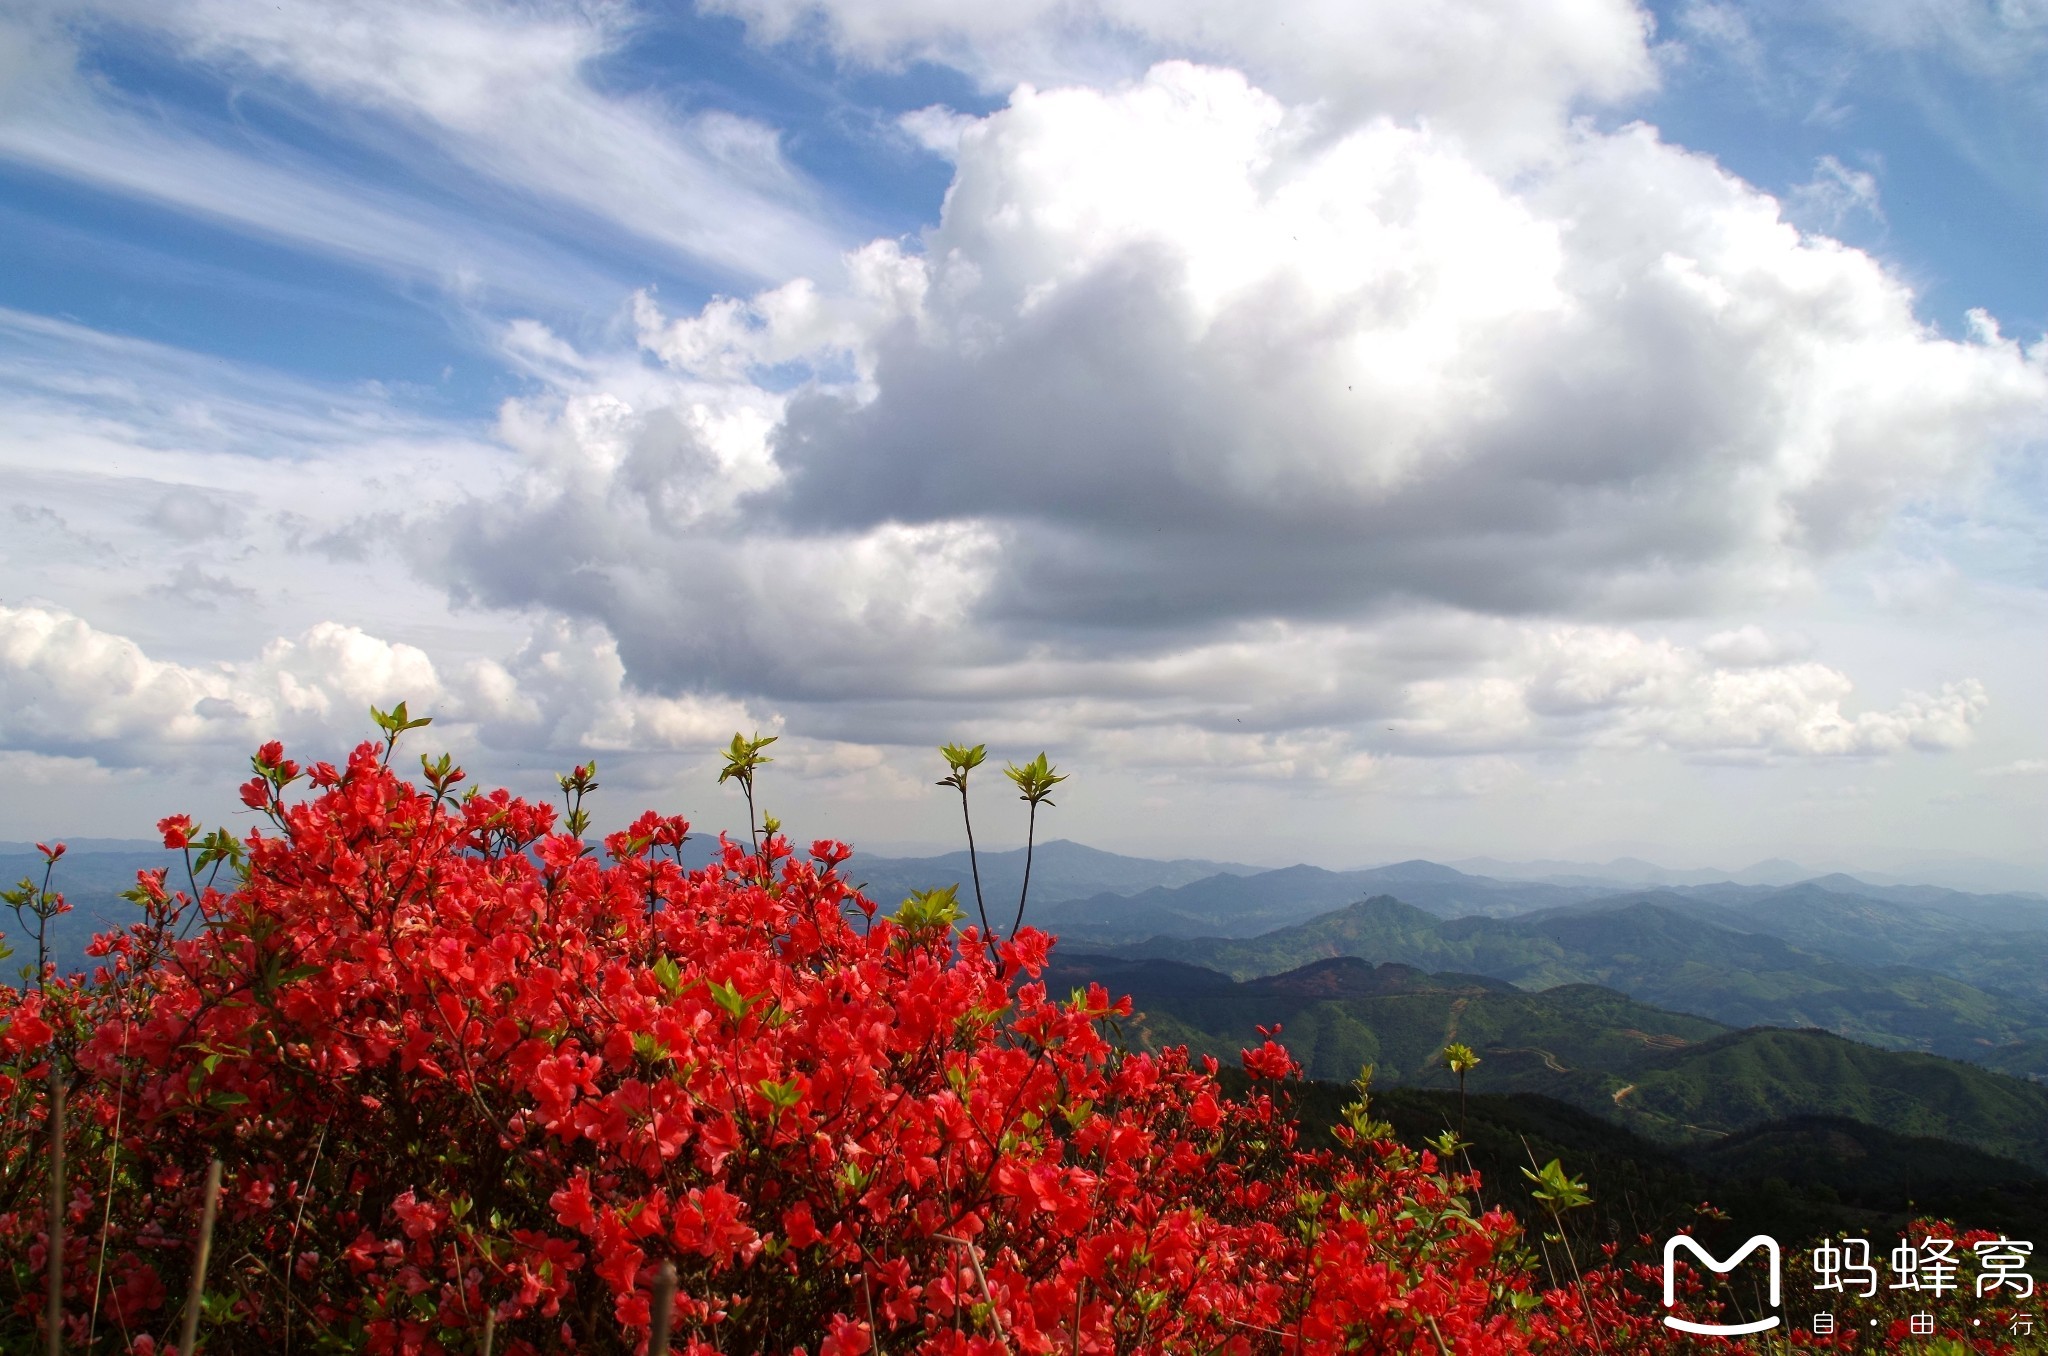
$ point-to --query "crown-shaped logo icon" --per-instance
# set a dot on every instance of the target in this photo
(1721, 1268)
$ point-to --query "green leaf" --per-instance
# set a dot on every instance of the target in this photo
(744, 756)
(669, 975)
(962, 761)
(735, 1003)
(931, 909)
(220, 846)
(1035, 780)
(1557, 1190)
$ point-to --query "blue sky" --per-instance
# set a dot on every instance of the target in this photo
(1560, 428)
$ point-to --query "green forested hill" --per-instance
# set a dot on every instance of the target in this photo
(1235, 906)
(1659, 951)
(1861, 1162)
(1342, 1013)
(1748, 1077)
(1663, 1074)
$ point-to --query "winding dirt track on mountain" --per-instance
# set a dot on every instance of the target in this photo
(1549, 1060)
(1620, 1093)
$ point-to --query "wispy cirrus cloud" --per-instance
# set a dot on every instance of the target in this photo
(487, 156)
(1971, 73)
(71, 127)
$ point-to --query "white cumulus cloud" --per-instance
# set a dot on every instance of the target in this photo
(1499, 72)
(1173, 374)
(73, 693)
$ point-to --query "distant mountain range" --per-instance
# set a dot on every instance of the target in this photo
(1245, 906)
(1659, 949)
(1954, 872)
(1665, 1075)
(1898, 966)
(1060, 870)
(1633, 871)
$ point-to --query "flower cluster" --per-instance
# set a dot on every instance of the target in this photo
(460, 1066)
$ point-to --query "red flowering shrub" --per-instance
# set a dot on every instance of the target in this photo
(457, 1065)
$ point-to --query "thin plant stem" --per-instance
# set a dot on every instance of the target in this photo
(107, 1216)
(974, 1256)
(1578, 1278)
(1030, 841)
(43, 906)
(54, 1311)
(291, 1251)
(197, 1290)
(974, 865)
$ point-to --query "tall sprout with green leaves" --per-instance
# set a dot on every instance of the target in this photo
(1460, 1060)
(1034, 781)
(961, 761)
(1558, 1192)
(742, 759)
(43, 904)
(394, 723)
(1357, 1113)
(576, 784)
(40, 903)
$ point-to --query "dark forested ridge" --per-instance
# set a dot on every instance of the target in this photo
(1798, 1177)
(1665, 1075)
